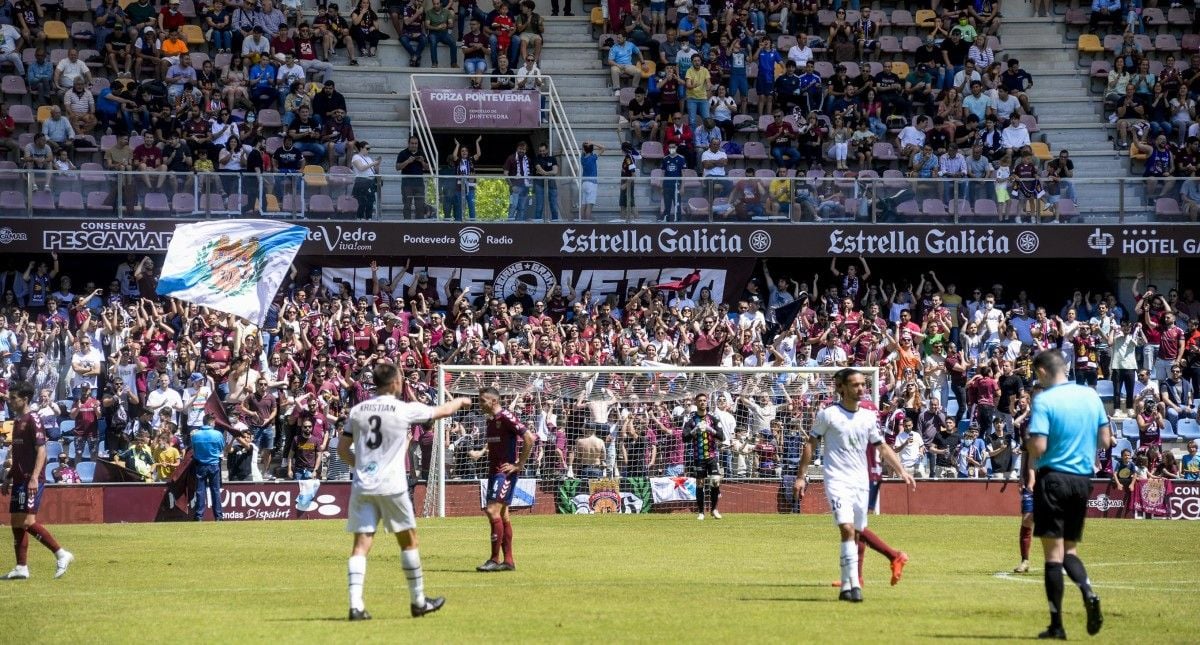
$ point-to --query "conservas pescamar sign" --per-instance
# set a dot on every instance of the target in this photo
(108, 236)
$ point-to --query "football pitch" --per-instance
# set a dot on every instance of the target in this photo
(594, 579)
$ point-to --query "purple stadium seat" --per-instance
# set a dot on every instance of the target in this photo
(14, 85)
(321, 205)
(71, 202)
(755, 151)
(183, 204)
(1167, 209)
(156, 204)
(698, 208)
(97, 202)
(43, 202)
(652, 151)
(12, 202)
(986, 208)
(1191, 43)
(347, 205)
(21, 114)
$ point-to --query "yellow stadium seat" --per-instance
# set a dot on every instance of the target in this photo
(272, 204)
(1136, 154)
(648, 68)
(314, 177)
(1040, 150)
(1089, 44)
(56, 30)
(925, 18)
(43, 113)
(193, 34)
(900, 68)
(597, 16)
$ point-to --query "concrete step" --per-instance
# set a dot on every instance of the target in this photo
(1090, 137)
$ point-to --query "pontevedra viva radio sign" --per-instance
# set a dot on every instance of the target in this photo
(460, 109)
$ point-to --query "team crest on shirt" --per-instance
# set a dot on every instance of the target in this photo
(371, 468)
(231, 267)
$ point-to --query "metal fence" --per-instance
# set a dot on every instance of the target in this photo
(762, 196)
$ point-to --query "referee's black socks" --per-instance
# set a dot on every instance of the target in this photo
(1074, 568)
(1054, 592)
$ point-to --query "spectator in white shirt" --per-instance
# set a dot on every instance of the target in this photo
(70, 68)
(912, 138)
(832, 354)
(1005, 105)
(164, 398)
(964, 78)
(1015, 136)
(800, 52)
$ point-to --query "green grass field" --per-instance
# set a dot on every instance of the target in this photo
(595, 579)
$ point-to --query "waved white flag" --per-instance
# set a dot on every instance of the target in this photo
(235, 266)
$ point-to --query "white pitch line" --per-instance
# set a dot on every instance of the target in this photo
(1005, 575)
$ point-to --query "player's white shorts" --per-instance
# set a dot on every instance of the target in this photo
(849, 506)
(367, 511)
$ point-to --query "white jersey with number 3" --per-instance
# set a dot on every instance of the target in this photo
(847, 435)
(380, 428)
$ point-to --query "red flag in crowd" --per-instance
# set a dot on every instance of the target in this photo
(214, 408)
(680, 285)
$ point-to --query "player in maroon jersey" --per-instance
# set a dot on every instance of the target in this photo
(25, 481)
(505, 433)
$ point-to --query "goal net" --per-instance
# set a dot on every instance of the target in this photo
(610, 439)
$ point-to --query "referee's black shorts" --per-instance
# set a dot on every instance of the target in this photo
(1060, 504)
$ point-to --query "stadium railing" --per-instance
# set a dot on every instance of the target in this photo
(335, 194)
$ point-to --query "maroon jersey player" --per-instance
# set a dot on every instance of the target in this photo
(509, 443)
(24, 483)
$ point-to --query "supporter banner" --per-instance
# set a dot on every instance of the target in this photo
(579, 497)
(673, 489)
(464, 109)
(525, 495)
(1150, 497)
(723, 278)
(580, 239)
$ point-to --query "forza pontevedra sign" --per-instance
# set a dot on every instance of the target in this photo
(673, 240)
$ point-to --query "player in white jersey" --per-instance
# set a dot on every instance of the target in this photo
(379, 431)
(847, 429)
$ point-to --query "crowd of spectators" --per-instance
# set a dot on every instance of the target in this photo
(800, 88)
(137, 372)
(207, 93)
(1150, 87)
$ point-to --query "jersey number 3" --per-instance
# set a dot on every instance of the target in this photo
(374, 436)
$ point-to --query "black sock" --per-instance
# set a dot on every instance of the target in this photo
(700, 497)
(1054, 591)
(716, 496)
(1074, 568)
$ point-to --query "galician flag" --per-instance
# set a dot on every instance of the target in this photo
(235, 266)
(673, 489)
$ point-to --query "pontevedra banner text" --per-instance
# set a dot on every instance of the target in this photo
(464, 109)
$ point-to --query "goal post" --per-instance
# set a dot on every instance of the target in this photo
(621, 428)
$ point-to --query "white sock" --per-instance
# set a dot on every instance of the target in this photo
(849, 565)
(410, 559)
(356, 574)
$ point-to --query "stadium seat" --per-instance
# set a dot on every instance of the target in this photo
(187, 8)
(1104, 388)
(1067, 211)
(55, 31)
(823, 68)
(900, 68)
(1166, 44)
(1030, 122)
(321, 205)
(1188, 429)
(340, 177)
(97, 203)
(53, 450)
(272, 204)
(193, 34)
(1168, 433)
(925, 18)
(1076, 18)
(81, 33)
(1167, 209)
(1153, 17)
(884, 151)
(347, 205)
(755, 151)
(652, 151)
(86, 471)
(43, 113)
(985, 209)
(1121, 447)
(273, 144)
(1098, 72)
(269, 118)
(156, 204)
(902, 19)
(13, 202)
(183, 204)
(314, 177)
(852, 69)
(764, 121)
(825, 18)
(1179, 17)
(1144, 42)
(934, 208)
(785, 43)
(959, 208)
(1190, 43)
(43, 202)
(221, 61)
(597, 21)
(71, 202)
(911, 44)
(698, 208)
(1040, 150)
(14, 86)
(21, 114)
(1089, 44)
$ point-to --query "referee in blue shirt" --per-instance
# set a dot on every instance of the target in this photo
(1068, 423)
